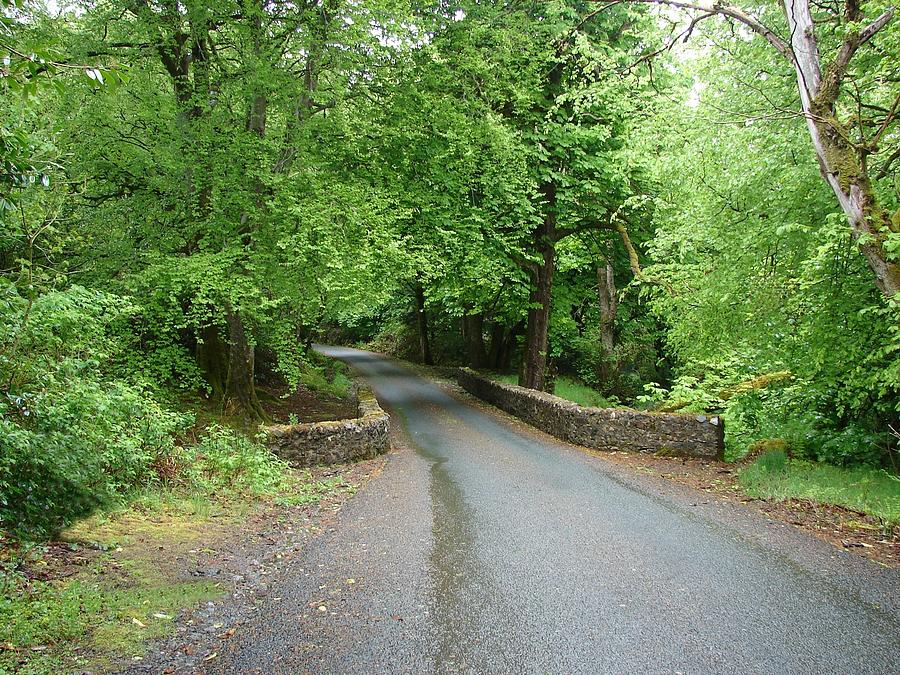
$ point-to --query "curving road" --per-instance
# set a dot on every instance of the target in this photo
(488, 547)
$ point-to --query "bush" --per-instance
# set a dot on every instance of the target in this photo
(73, 439)
(224, 460)
(852, 446)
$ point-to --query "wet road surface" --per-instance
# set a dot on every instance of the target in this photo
(487, 547)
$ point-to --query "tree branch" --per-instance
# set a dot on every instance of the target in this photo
(735, 13)
(854, 42)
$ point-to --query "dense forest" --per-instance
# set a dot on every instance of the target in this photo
(678, 206)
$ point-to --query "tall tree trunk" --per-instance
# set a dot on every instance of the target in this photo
(240, 389)
(839, 162)
(212, 359)
(422, 322)
(498, 341)
(606, 290)
(534, 360)
(473, 332)
(503, 344)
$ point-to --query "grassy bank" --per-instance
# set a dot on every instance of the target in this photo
(567, 388)
(874, 492)
(119, 578)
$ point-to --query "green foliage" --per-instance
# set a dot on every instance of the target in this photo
(872, 491)
(579, 393)
(326, 376)
(569, 389)
(73, 439)
(762, 275)
(158, 230)
(224, 463)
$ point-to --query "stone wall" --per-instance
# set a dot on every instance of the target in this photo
(334, 442)
(602, 428)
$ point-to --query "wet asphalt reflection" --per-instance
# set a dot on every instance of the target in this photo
(489, 548)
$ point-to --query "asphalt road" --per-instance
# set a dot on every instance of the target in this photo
(487, 547)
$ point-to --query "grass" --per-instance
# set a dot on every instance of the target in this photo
(117, 583)
(871, 491)
(569, 389)
(83, 624)
(327, 376)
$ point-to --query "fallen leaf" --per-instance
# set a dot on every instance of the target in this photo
(159, 615)
(138, 623)
(351, 581)
(39, 649)
(210, 657)
(227, 634)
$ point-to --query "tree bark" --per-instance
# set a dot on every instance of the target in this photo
(212, 358)
(498, 341)
(606, 290)
(473, 332)
(534, 360)
(503, 342)
(240, 389)
(422, 323)
(839, 162)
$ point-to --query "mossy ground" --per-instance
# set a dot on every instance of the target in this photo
(120, 578)
(107, 591)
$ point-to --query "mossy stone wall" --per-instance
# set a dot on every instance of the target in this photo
(603, 428)
(334, 442)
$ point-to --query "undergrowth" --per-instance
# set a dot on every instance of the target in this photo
(124, 591)
(875, 492)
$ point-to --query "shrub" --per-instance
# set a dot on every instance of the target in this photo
(72, 438)
(224, 460)
(852, 446)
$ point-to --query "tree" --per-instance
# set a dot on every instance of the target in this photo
(851, 105)
(227, 208)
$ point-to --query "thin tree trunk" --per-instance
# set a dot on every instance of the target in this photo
(305, 106)
(473, 332)
(606, 291)
(422, 322)
(498, 340)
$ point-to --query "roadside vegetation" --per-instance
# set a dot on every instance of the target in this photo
(778, 476)
(111, 582)
(568, 388)
(192, 193)
(867, 490)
